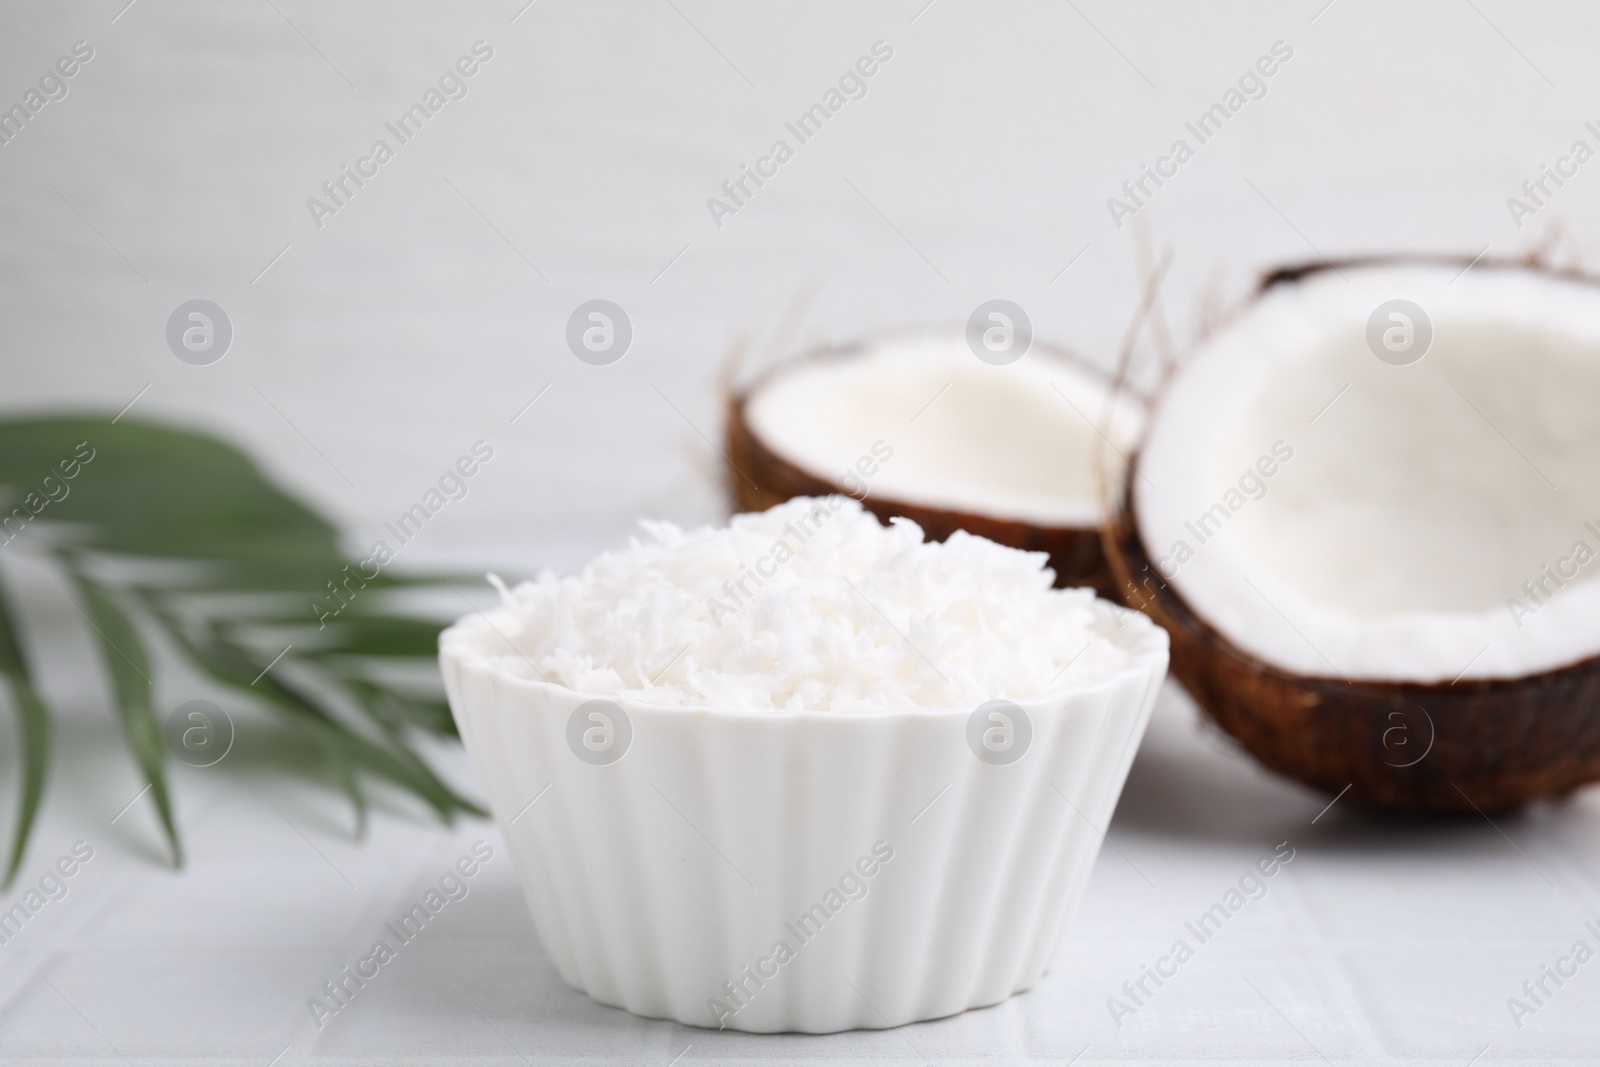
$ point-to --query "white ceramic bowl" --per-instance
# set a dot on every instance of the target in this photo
(905, 876)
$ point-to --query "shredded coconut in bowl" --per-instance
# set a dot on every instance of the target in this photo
(812, 605)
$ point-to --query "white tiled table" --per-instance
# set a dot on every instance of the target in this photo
(1380, 942)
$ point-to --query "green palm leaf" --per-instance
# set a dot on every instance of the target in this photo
(33, 726)
(129, 667)
(171, 533)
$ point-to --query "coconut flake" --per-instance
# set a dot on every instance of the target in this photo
(812, 605)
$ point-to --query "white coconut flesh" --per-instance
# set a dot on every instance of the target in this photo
(1018, 442)
(1420, 523)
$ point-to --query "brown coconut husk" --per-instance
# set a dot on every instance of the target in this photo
(758, 478)
(1478, 746)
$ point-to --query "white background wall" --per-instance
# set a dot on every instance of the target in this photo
(407, 327)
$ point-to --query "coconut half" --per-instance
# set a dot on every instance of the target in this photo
(915, 425)
(1368, 511)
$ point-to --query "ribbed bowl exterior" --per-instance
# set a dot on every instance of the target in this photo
(665, 882)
